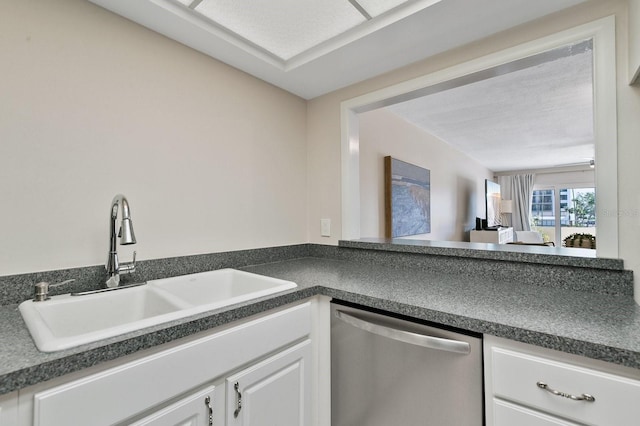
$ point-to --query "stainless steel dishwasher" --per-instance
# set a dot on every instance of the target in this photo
(387, 371)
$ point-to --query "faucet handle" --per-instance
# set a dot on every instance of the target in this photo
(128, 268)
(41, 289)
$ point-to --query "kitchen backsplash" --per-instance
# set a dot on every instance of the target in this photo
(590, 275)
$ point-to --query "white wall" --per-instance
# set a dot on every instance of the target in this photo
(92, 104)
(457, 181)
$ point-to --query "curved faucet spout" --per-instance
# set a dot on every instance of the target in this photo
(126, 227)
(127, 236)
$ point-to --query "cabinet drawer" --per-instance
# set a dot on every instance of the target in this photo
(507, 414)
(515, 377)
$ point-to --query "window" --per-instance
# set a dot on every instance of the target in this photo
(581, 208)
(574, 210)
(542, 208)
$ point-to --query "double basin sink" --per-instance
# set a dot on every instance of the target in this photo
(67, 321)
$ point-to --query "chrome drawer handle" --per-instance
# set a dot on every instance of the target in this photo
(584, 397)
(236, 387)
(207, 402)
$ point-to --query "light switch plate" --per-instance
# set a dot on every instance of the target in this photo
(325, 227)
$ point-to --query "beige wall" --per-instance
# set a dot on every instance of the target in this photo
(457, 181)
(210, 158)
(323, 128)
(92, 104)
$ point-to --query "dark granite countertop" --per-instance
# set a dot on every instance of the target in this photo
(599, 326)
(524, 253)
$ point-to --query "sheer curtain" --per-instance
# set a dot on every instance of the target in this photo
(519, 189)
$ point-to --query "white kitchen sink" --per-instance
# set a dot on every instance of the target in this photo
(219, 288)
(67, 321)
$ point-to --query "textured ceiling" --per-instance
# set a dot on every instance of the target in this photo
(537, 117)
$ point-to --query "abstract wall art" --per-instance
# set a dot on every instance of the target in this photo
(407, 199)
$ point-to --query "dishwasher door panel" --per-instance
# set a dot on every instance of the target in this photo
(385, 373)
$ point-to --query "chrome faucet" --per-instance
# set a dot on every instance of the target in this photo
(113, 267)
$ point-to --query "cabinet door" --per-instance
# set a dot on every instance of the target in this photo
(200, 409)
(9, 409)
(275, 391)
(506, 414)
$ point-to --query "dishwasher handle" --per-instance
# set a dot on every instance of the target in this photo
(410, 337)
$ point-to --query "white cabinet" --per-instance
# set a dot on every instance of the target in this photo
(499, 236)
(528, 385)
(272, 357)
(9, 409)
(273, 392)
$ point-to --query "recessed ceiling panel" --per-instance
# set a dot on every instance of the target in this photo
(404, 34)
(377, 7)
(284, 28)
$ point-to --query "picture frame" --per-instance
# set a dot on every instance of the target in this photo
(407, 198)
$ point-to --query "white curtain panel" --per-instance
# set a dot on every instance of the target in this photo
(519, 189)
(505, 193)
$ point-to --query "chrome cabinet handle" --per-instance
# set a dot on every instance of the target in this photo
(207, 402)
(236, 386)
(584, 397)
(407, 336)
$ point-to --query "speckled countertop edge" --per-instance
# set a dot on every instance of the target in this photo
(22, 364)
(515, 253)
(599, 327)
